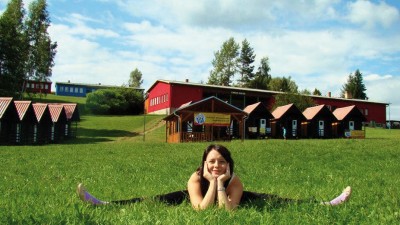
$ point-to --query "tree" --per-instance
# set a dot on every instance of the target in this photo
(300, 100)
(317, 92)
(354, 86)
(283, 84)
(262, 77)
(135, 79)
(225, 64)
(41, 49)
(116, 101)
(246, 67)
(13, 49)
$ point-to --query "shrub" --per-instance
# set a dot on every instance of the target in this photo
(118, 101)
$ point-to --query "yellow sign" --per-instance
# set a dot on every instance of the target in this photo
(215, 119)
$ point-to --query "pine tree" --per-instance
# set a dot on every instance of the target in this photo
(246, 66)
(262, 77)
(354, 86)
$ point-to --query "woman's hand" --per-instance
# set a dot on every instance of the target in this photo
(206, 173)
(224, 177)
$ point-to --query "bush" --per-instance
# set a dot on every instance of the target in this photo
(118, 101)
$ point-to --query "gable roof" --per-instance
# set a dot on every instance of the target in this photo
(56, 111)
(39, 109)
(341, 113)
(22, 108)
(281, 110)
(71, 110)
(5, 102)
(210, 104)
(311, 112)
(251, 108)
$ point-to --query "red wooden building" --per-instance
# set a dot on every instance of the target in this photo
(165, 96)
(33, 86)
(210, 119)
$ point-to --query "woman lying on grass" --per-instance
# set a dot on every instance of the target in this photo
(213, 183)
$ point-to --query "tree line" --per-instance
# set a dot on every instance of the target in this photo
(26, 49)
(233, 65)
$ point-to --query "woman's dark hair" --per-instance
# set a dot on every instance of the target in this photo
(227, 156)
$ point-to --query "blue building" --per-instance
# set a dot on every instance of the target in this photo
(81, 90)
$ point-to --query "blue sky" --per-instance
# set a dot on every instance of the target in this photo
(316, 42)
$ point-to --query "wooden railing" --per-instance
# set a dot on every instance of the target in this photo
(195, 136)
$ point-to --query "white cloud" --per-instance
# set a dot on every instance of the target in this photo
(377, 77)
(383, 88)
(371, 15)
(255, 14)
(80, 28)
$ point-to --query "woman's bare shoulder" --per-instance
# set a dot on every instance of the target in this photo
(236, 181)
(194, 177)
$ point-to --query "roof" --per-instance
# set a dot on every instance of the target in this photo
(281, 110)
(55, 111)
(39, 109)
(210, 104)
(71, 111)
(341, 113)
(311, 112)
(254, 90)
(213, 86)
(348, 99)
(99, 85)
(185, 104)
(5, 102)
(22, 108)
(251, 108)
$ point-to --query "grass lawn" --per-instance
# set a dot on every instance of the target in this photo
(112, 159)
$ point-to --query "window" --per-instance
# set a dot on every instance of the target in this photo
(366, 112)
(81, 90)
(46, 86)
(66, 89)
(76, 89)
(62, 88)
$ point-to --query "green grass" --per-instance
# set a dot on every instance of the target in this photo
(110, 157)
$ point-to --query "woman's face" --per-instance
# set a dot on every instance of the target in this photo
(216, 163)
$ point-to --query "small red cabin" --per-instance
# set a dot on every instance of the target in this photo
(32, 86)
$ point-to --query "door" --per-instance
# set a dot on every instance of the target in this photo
(263, 123)
(321, 125)
(294, 128)
(351, 125)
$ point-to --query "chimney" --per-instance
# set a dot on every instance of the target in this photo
(69, 81)
(187, 80)
(347, 95)
(99, 83)
(329, 94)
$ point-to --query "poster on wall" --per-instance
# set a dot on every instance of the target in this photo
(215, 119)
